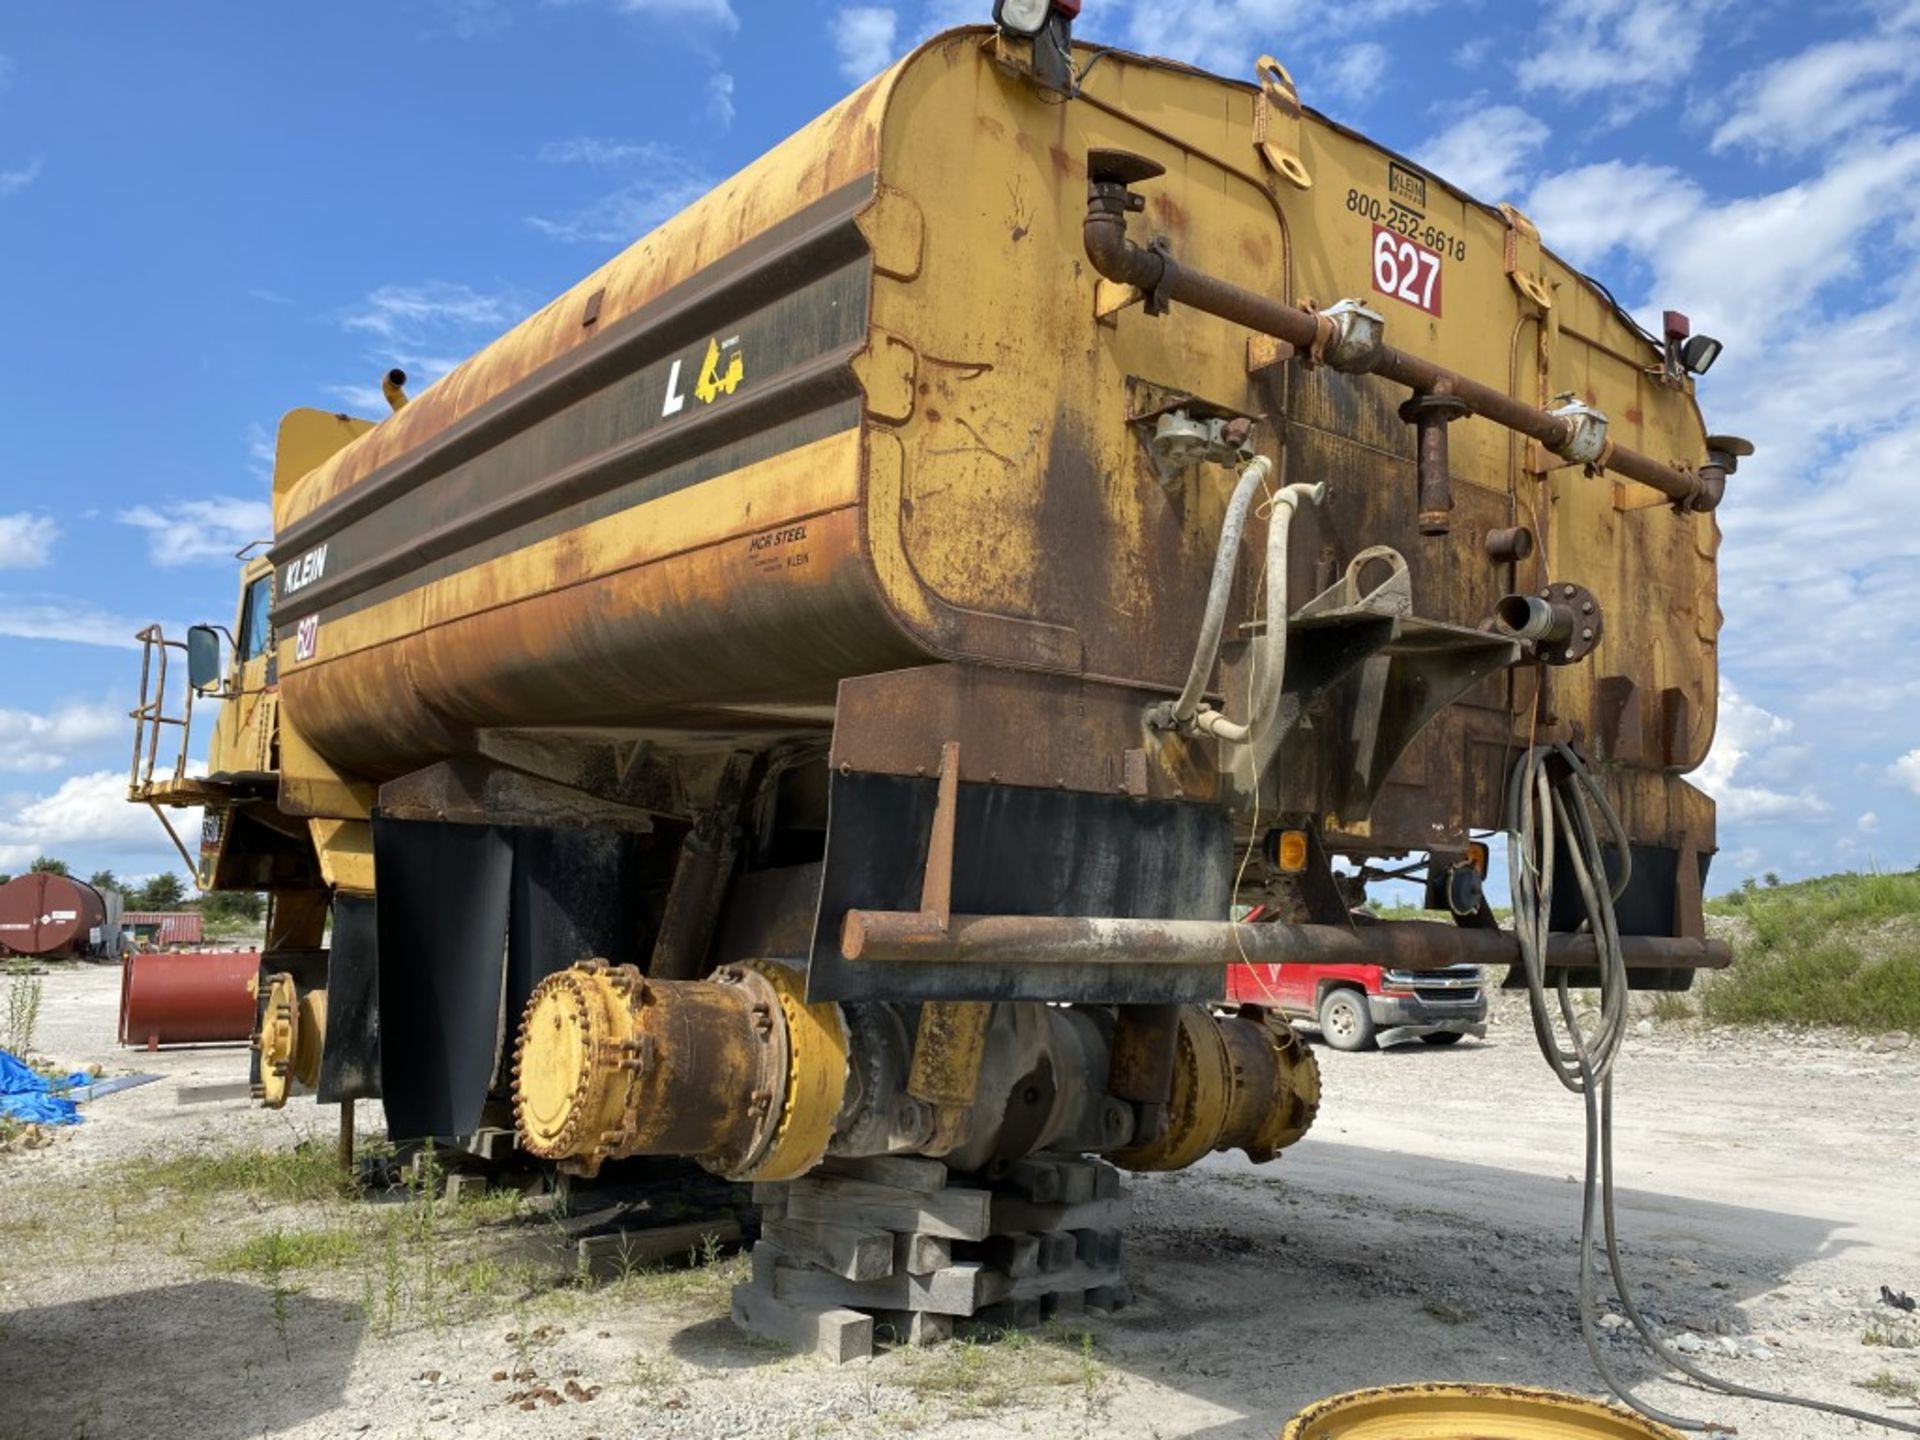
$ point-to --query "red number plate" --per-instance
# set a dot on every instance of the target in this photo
(1406, 270)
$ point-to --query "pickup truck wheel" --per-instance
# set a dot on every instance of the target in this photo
(1443, 1037)
(1344, 1020)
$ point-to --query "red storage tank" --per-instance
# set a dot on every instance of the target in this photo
(188, 997)
(50, 916)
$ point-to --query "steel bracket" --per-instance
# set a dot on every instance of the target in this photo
(1277, 123)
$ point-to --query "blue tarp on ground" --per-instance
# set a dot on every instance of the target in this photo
(26, 1094)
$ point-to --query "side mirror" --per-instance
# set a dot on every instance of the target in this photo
(203, 658)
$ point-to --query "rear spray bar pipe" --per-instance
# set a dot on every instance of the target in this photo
(1349, 337)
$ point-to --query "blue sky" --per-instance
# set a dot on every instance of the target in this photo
(212, 212)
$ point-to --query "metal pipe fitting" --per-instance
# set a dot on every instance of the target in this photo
(1528, 617)
(1163, 281)
(1430, 413)
(1509, 546)
(393, 385)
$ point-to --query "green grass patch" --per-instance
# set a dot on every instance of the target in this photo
(1890, 1386)
(289, 1177)
(278, 1251)
(1838, 950)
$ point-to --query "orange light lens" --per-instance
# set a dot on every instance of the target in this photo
(1477, 857)
(1293, 851)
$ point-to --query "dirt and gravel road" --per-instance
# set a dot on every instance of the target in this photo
(1425, 1229)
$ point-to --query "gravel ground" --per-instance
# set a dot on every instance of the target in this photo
(1425, 1229)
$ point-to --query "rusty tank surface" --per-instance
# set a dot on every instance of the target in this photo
(831, 679)
(51, 917)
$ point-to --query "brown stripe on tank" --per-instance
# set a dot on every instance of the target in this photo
(822, 236)
(644, 432)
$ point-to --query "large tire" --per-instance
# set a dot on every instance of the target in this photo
(1443, 1037)
(1344, 1021)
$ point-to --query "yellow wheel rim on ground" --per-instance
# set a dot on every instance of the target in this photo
(1467, 1412)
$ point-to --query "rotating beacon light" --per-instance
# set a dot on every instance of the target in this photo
(1030, 17)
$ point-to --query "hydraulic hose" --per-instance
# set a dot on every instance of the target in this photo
(1260, 727)
(1552, 781)
(1253, 478)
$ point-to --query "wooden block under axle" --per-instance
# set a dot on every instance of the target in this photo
(835, 1335)
(959, 1289)
(921, 1254)
(901, 1172)
(851, 1254)
(607, 1256)
(958, 1214)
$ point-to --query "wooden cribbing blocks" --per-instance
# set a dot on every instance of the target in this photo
(897, 1246)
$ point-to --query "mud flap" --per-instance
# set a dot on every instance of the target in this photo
(1020, 851)
(350, 1058)
(444, 893)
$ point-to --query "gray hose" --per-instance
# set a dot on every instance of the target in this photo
(1271, 658)
(1253, 477)
(1568, 796)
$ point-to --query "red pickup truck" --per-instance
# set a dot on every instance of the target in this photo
(1360, 1005)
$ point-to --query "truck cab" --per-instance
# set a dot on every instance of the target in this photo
(1357, 1006)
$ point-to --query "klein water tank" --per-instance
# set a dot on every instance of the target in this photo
(49, 916)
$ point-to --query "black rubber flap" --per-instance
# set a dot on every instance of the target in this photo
(350, 1058)
(443, 941)
(576, 896)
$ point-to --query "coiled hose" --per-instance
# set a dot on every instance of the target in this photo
(1551, 783)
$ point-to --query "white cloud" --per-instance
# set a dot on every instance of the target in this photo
(699, 12)
(1357, 72)
(1747, 731)
(401, 311)
(1867, 823)
(669, 182)
(1487, 151)
(1906, 770)
(26, 540)
(473, 19)
(86, 820)
(1633, 53)
(590, 150)
(15, 180)
(183, 531)
(34, 742)
(72, 621)
(720, 99)
(1226, 36)
(863, 37)
(1823, 93)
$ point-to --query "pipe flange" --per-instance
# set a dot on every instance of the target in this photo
(816, 1079)
(1560, 626)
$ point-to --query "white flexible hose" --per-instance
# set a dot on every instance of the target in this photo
(1253, 478)
(1271, 658)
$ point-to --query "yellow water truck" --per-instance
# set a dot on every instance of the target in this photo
(826, 684)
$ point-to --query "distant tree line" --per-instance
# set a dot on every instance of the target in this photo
(165, 891)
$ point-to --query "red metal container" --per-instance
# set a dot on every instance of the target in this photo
(188, 997)
(163, 927)
(49, 916)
